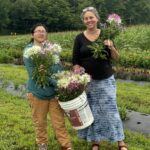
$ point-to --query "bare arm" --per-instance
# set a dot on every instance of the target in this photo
(114, 53)
(113, 50)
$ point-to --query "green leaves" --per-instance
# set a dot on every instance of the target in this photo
(42, 72)
(98, 49)
(111, 31)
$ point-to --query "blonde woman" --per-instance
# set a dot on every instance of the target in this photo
(101, 91)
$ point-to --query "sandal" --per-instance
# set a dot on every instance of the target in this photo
(95, 145)
(122, 146)
(66, 148)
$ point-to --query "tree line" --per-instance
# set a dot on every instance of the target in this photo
(61, 15)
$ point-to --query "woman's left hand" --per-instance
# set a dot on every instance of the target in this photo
(114, 52)
(109, 43)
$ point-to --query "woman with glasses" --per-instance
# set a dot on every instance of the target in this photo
(42, 100)
(101, 92)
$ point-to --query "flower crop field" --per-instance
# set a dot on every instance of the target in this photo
(16, 128)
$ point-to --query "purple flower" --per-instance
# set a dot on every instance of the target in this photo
(114, 18)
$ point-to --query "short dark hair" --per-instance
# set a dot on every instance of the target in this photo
(34, 27)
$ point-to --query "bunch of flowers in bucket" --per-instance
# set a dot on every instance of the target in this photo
(71, 84)
(43, 58)
(110, 30)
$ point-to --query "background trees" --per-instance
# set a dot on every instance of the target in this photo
(4, 14)
(19, 15)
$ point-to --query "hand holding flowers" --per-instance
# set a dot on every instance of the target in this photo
(110, 30)
(112, 27)
(109, 43)
(43, 58)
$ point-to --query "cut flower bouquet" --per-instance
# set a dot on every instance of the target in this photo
(71, 88)
(110, 30)
(43, 58)
(71, 84)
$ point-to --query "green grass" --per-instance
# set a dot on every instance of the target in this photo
(130, 95)
(10, 73)
(17, 133)
(134, 38)
(16, 128)
(134, 96)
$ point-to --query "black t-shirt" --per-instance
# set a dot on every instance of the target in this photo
(82, 55)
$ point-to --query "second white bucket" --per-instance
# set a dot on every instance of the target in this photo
(78, 112)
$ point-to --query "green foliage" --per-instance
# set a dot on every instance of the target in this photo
(20, 15)
(136, 58)
(5, 58)
(133, 96)
(98, 49)
(123, 113)
(134, 38)
(23, 14)
(17, 75)
(13, 42)
(133, 45)
(111, 30)
(4, 14)
(54, 16)
(136, 12)
(66, 56)
(65, 39)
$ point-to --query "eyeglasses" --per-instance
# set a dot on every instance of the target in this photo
(87, 9)
(40, 32)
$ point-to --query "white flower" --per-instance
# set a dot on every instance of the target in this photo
(62, 83)
(56, 49)
(31, 51)
(66, 77)
(56, 59)
(85, 78)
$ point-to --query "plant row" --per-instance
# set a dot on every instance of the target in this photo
(135, 74)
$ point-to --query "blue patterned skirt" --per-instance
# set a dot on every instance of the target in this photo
(101, 95)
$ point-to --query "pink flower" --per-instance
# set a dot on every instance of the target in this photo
(114, 18)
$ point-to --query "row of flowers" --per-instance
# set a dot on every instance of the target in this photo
(136, 58)
(132, 73)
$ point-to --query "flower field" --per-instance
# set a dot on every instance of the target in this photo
(133, 45)
(16, 128)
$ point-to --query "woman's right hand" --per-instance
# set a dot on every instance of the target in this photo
(41, 68)
(78, 69)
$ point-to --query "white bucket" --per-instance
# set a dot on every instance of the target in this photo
(78, 112)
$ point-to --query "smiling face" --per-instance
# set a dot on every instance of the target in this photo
(90, 20)
(39, 35)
